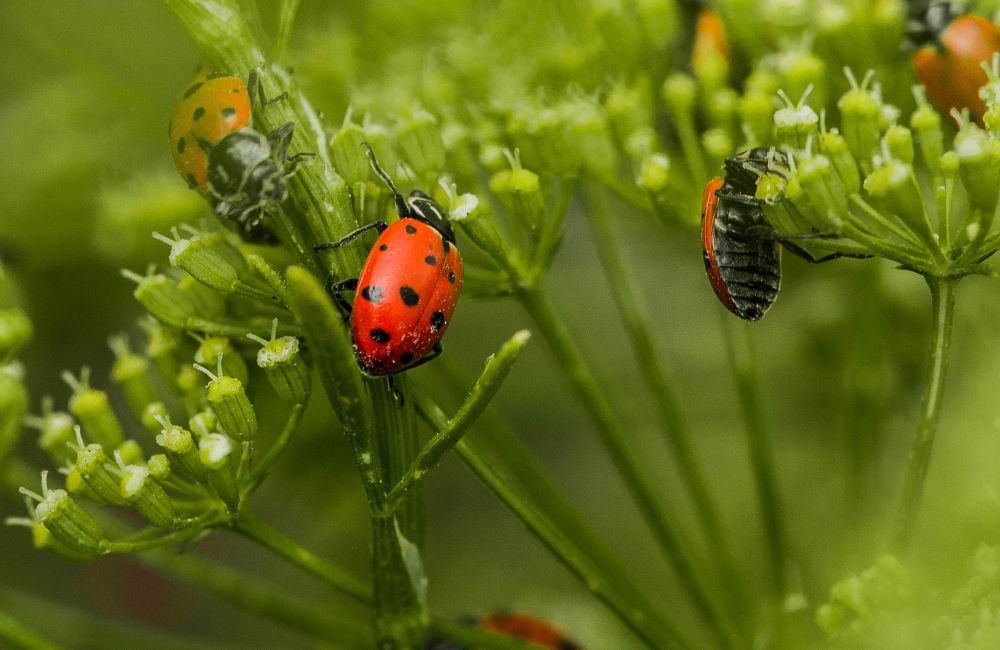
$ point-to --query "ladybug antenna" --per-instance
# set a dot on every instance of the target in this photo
(401, 206)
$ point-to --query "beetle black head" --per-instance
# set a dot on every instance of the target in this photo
(745, 168)
(928, 19)
(418, 206)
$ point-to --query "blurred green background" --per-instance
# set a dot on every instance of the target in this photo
(88, 87)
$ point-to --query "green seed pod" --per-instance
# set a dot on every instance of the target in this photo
(42, 539)
(348, 156)
(520, 192)
(90, 406)
(92, 463)
(588, 125)
(795, 124)
(161, 297)
(722, 109)
(895, 187)
(285, 369)
(216, 456)
(146, 496)
(679, 92)
(207, 257)
(978, 166)
(540, 133)
(13, 406)
(189, 383)
(203, 423)
(159, 467)
(825, 191)
(899, 140)
(654, 173)
(834, 146)
(420, 140)
(151, 415)
(214, 347)
(757, 114)
(67, 520)
(162, 346)
(131, 373)
(860, 116)
(629, 108)
(55, 432)
(15, 332)
(181, 448)
(926, 123)
(207, 302)
(131, 452)
(230, 403)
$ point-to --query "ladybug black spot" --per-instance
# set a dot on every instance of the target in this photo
(410, 230)
(406, 358)
(204, 144)
(445, 246)
(198, 112)
(379, 335)
(192, 90)
(383, 247)
(371, 293)
(409, 296)
(451, 277)
(181, 145)
(431, 260)
(228, 112)
(236, 91)
(437, 321)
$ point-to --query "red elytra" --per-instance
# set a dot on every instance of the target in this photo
(709, 212)
(950, 67)
(406, 294)
(212, 107)
(529, 628)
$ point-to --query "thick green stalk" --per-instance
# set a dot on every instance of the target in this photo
(19, 635)
(254, 528)
(761, 452)
(942, 312)
(655, 631)
(622, 455)
(676, 429)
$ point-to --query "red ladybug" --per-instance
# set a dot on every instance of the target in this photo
(951, 47)
(520, 626)
(408, 287)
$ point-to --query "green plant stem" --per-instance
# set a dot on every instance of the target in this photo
(942, 311)
(761, 452)
(20, 636)
(255, 529)
(657, 377)
(654, 631)
(257, 597)
(622, 455)
(291, 426)
(487, 384)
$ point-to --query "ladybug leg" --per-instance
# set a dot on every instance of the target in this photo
(255, 88)
(430, 356)
(378, 226)
(394, 389)
(279, 139)
(795, 249)
(336, 288)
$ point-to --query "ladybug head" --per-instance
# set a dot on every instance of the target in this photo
(417, 206)
(928, 19)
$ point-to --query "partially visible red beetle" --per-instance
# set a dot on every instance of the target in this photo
(408, 287)
(513, 624)
(951, 47)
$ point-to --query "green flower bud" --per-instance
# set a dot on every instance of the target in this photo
(146, 496)
(15, 332)
(162, 346)
(161, 297)
(181, 447)
(717, 145)
(899, 140)
(654, 173)
(834, 146)
(207, 302)
(189, 383)
(823, 188)
(90, 406)
(679, 92)
(159, 467)
(796, 123)
(203, 423)
(67, 520)
(131, 373)
(13, 406)
(216, 456)
(231, 405)
(860, 115)
(285, 369)
(757, 114)
(55, 432)
(215, 347)
(978, 166)
(41, 539)
(151, 415)
(520, 192)
(926, 123)
(722, 108)
(420, 140)
(629, 108)
(588, 125)
(208, 257)
(131, 452)
(895, 187)
(348, 157)
(541, 135)
(92, 463)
